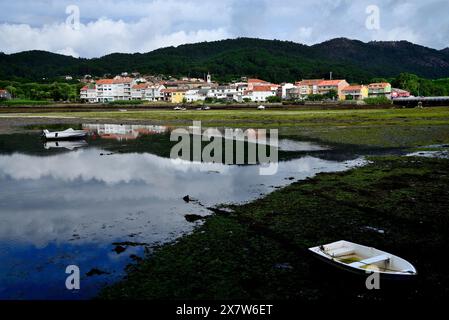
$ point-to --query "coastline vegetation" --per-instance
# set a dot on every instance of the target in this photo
(384, 128)
(259, 250)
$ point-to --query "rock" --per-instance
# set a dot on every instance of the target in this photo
(193, 217)
(187, 198)
(96, 272)
(130, 244)
(119, 249)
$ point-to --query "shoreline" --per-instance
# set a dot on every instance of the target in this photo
(390, 128)
(259, 249)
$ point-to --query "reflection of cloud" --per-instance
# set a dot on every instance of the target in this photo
(90, 198)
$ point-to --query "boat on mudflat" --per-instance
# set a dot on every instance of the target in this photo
(64, 135)
(362, 259)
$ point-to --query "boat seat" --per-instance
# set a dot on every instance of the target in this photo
(369, 261)
(341, 252)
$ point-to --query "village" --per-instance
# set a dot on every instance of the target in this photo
(134, 87)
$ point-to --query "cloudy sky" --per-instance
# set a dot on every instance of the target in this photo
(106, 26)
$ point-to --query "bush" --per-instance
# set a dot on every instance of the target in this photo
(274, 99)
(126, 102)
(377, 100)
(315, 97)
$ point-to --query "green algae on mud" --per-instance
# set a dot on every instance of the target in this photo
(259, 250)
(394, 127)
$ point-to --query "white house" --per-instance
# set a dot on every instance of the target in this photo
(154, 93)
(138, 91)
(194, 95)
(261, 93)
(282, 90)
(89, 93)
(223, 92)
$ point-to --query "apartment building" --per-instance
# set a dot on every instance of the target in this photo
(326, 86)
(115, 89)
(308, 87)
(380, 89)
(356, 92)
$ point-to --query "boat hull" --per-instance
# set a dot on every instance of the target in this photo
(390, 266)
(65, 135)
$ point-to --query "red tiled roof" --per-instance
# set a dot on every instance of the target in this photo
(379, 85)
(311, 82)
(88, 87)
(105, 81)
(140, 86)
(262, 88)
(353, 88)
(114, 81)
(330, 82)
(123, 80)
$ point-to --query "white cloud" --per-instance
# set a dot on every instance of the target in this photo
(139, 26)
(100, 37)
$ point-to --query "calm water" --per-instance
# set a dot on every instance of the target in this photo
(67, 203)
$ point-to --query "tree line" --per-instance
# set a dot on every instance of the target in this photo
(60, 91)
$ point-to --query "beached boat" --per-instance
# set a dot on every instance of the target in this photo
(361, 259)
(64, 135)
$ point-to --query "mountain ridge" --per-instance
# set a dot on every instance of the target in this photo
(273, 60)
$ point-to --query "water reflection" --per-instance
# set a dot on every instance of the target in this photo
(121, 132)
(70, 207)
(69, 145)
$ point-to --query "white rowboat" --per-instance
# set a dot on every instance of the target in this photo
(361, 259)
(64, 135)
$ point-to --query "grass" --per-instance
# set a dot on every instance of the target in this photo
(18, 102)
(367, 127)
(276, 118)
(260, 250)
(126, 102)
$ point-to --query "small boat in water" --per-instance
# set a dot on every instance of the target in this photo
(361, 259)
(64, 135)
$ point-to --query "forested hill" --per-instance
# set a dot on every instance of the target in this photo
(272, 60)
